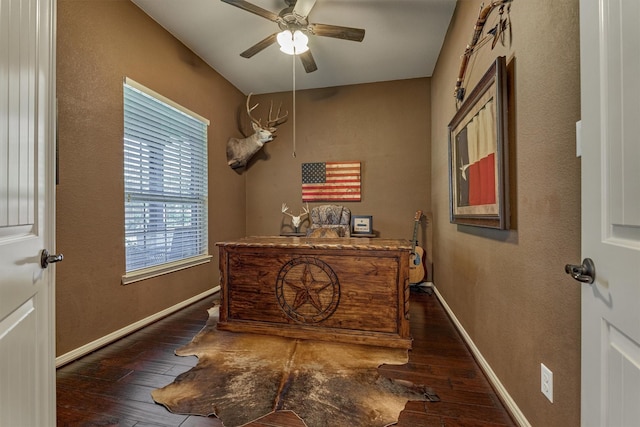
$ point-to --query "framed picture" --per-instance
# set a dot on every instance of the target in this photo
(478, 154)
(361, 224)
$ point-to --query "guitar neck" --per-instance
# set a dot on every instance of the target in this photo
(414, 242)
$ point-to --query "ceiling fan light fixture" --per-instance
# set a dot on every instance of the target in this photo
(293, 43)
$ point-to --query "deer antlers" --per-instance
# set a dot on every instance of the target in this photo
(272, 123)
(295, 220)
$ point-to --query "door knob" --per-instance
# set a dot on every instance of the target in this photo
(46, 259)
(585, 273)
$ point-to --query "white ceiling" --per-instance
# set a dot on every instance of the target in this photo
(402, 40)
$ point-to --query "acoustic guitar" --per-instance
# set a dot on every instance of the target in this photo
(416, 262)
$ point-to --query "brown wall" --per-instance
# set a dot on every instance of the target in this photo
(385, 126)
(99, 43)
(508, 288)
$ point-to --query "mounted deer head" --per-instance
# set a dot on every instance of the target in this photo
(240, 151)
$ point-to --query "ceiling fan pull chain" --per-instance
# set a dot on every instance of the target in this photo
(293, 61)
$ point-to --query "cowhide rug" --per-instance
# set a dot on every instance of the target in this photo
(242, 377)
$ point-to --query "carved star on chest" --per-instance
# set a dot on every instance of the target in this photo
(308, 289)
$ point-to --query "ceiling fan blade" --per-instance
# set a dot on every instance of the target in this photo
(336, 31)
(308, 62)
(262, 44)
(249, 7)
(303, 7)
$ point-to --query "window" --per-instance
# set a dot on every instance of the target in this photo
(165, 184)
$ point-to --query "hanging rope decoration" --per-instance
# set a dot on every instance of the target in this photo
(497, 33)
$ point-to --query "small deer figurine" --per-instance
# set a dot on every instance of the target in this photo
(295, 220)
(240, 151)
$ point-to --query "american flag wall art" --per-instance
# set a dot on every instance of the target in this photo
(331, 181)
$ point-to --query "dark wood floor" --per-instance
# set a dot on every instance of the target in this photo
(112, 386)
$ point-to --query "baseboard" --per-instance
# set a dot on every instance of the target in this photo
(506, 398)
(116, 335)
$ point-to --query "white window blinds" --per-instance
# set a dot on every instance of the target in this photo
(165, 180)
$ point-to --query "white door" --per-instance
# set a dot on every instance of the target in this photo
(27, 155)
(610, 80)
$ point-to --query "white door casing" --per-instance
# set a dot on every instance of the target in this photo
(610, 97)
(27, 171)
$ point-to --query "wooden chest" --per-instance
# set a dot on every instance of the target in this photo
(349, 290)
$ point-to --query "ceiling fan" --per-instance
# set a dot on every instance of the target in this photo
(294, 18)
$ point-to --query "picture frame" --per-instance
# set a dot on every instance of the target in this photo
(361, 224)
(478, 154)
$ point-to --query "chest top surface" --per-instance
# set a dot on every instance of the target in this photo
(318, 243)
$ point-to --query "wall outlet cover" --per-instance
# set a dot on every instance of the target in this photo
(546, 382)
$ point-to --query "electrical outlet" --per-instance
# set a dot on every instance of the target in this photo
(546, 382)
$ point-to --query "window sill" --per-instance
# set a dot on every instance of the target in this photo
(159, 270)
